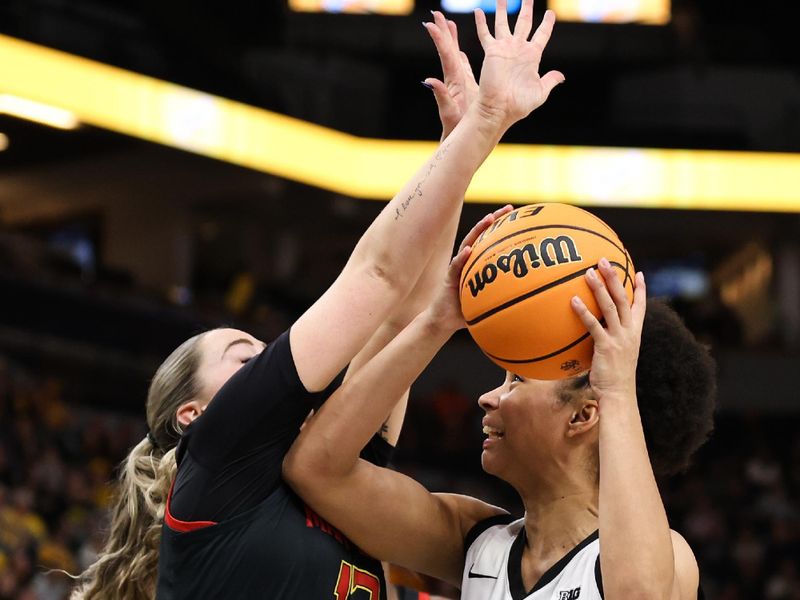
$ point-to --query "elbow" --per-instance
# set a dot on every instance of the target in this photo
(308, 469)
(386, 269)
(391, 276)
(300, 470)
(290, 469)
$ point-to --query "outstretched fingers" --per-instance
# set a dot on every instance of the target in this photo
(522, 29)
(544, 31)
(484, 36)
(443, 41)
(451, 25)
(501, 29)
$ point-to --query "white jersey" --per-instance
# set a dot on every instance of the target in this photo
(492, 569)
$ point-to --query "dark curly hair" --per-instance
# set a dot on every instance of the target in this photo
(676, 390)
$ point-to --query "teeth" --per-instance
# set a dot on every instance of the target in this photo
(492, 432)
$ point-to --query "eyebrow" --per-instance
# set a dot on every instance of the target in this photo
(241, 341)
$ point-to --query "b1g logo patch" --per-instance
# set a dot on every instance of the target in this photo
(569, 594)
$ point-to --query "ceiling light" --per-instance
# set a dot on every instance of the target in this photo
(37, 112)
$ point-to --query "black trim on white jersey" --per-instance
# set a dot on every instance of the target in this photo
(598, 577)
(515, 583)
(482, 526)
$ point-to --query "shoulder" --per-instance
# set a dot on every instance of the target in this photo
(687, 574)
(473, 516)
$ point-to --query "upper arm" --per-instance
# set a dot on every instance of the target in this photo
(336, 327)
(393, 518)
(687, 575)
(264, 392)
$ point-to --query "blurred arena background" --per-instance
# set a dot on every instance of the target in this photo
(137, 217)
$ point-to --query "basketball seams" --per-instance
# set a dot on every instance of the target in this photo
(519, 249)
(555, 283)
(604, 224)
(522, 361)
(466, 272)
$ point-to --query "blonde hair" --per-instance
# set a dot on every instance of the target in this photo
(128, 564)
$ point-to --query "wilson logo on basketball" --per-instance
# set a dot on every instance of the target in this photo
(549, 253)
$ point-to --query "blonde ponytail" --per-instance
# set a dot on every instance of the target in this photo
(128, 563)
(127, 566)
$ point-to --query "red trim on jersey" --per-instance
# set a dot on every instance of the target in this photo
(182, 526)
(424, 596)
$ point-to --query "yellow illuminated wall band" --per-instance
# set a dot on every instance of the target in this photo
(155, 110)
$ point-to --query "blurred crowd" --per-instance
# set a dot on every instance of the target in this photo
(738, 506)
(55, 464)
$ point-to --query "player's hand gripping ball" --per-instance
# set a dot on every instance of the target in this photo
(517, 284)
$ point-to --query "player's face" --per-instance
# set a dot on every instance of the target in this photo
(222, 353)
(525, 426)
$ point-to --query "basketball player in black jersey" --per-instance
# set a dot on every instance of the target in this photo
(201, 499)
(583, 453)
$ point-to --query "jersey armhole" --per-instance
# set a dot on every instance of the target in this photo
(482, 526)
(598, 577)
(177, 524)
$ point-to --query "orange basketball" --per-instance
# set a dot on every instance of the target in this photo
(518, 282)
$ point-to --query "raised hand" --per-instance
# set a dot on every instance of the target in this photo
(616, 346)
(459, 88)
(510, 86)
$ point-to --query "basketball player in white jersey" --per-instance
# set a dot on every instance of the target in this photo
(583, 453)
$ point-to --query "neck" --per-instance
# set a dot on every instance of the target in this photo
(559, 518)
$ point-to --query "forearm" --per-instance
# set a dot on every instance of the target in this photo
(419, 297)
(406, 310)
(392, 424)
(636, 549)
(330, 444)
(401, 240)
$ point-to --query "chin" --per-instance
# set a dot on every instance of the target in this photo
(490, 465)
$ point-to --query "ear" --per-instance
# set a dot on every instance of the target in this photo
(189, 411)
(584, 419)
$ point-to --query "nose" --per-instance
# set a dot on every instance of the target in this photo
(488, 400)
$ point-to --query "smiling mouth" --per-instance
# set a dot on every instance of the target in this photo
(493, 433)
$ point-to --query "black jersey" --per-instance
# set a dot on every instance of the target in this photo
(232, 528)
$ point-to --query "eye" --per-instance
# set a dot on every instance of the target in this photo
(517, 378)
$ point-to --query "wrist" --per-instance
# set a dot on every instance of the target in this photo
(437, 326)
(488, 122)
(618, 400)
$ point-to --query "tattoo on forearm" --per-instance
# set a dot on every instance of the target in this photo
(440, 153)
(384, 432)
